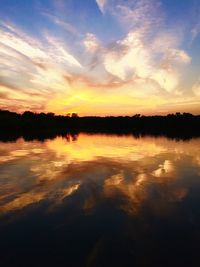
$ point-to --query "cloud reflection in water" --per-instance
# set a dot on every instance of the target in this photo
(123, 167)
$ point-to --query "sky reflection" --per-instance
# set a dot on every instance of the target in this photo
(97, 200)
(119, 166)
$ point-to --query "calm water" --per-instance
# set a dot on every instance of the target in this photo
(97, 200)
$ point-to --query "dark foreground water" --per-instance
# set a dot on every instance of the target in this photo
(97, 200)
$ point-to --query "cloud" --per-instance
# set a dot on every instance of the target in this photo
(137, 13)
(91, 43)
(133, 57)
(63, 24)
(34, 49)
(148, 51)
(128, 58)
(133, 67)
(21, 45)
(196, 25)
(179, 56)
(32, 68)
(195, 31)
(145, 61)
(58, 51)
(101, 4)
(196, 88)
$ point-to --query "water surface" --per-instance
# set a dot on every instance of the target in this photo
(100, 200)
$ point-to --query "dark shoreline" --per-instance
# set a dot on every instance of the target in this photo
(41, 126)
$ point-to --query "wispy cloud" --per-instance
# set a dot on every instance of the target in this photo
(63, 24)
(196, 88)
(84, 72)
(195, 31)
(32, 67)
(101, 4)
(91, 43)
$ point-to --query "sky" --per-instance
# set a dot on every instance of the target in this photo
(100, 57)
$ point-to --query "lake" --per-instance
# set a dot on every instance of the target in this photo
(100, 200)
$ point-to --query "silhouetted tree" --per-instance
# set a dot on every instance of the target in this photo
(183, 125)
(28, 114)
(50, 114)
(74, 115)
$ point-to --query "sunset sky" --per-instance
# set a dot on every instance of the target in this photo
(103, 57)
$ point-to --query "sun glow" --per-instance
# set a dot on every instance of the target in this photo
(141, 64)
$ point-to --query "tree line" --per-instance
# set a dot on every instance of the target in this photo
(183, 125)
